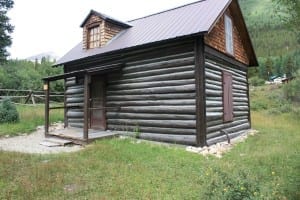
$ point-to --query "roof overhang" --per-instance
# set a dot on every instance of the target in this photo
(92, 71)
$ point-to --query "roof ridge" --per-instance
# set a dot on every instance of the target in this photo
(166, 10)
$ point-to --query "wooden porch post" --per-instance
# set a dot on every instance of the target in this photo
(47, 93)
(86, 107)
(200, 92)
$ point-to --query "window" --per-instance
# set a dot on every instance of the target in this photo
(228, 35)
(227, 97)
(94, 37)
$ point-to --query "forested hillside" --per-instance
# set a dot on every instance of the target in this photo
(23, 74)
(276, 47)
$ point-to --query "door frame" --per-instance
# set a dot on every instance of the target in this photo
(103, 77)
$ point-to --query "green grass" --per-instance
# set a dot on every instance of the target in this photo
(266, 166)
(30, 118)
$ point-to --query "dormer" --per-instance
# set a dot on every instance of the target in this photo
(99, 29)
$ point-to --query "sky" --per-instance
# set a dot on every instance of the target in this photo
(54, 25)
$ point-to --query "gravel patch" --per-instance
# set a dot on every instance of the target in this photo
(220, 148)
(31, 144)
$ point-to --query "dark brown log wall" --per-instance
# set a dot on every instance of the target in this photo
(155, 97)
(74, 99)
(214, 102)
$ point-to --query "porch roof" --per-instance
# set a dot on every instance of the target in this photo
(91, 71)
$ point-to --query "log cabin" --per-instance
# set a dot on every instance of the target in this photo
(177, 76)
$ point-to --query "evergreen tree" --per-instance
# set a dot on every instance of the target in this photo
(269, 68)
(292, 7)
(289, 68)
(5, 28)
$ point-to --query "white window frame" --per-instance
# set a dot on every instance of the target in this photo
(229, 35)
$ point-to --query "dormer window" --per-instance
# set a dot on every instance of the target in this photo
(94, 37)
(228, 35)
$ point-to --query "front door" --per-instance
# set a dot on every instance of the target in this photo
(97, 103)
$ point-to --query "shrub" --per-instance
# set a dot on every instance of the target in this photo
(256, 81)
(8, 112)
(292, 89)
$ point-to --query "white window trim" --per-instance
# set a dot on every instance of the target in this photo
(229, 35)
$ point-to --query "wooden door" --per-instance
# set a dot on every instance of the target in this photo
(97, 103)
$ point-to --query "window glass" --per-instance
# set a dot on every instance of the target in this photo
(94, 37)
(229, 36)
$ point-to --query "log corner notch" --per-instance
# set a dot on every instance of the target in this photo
(200, 92)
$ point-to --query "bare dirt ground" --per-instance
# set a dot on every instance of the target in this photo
(31, 144)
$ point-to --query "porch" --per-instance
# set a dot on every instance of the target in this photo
(76, 135)
(92, 108)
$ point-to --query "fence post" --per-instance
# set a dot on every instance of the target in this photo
(47, 93)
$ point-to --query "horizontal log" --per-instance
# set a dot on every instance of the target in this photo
(213, 71)
(213, 76)
(72, 114)
(160, 109)
(75, 104)
(240, 113)
(151, 84)
(150, 97)
(214, 123)
(214, 109)
(221, 126)
(155, 90)
(238, 128)
(213, 82)
(72, 120)
(119, 115)
(240, 99)
(213, 87)
(152, 102)
(213, 103)
(216, 139)
(161, 58)
(75, 87)
(154, 72)
(238, 95)
(240, 108)
(70, 83)
(74, 99)
(214, 99)
(163, 77)
(154, 123)
(177, 139)
(213, 93)
(239, 83)
(214, 115)
(240, 87)
(240, 103)
(141, 129)
(221, 67)
(74, 91)
(159, 65)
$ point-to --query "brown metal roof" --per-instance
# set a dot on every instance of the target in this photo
(105, 17)
(195, 18)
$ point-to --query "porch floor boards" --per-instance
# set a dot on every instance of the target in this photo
(76, 135)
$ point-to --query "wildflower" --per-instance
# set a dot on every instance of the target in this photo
(273, 173)
(242, 188)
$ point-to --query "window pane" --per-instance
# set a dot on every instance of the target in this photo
(228, 33)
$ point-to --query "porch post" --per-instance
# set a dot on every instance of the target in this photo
(86, 107)
(47, 93)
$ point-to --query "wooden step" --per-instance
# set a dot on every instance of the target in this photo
(52, 142)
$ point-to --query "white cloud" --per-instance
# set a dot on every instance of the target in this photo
(53, 25)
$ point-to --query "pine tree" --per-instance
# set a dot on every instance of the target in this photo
(5, 28)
